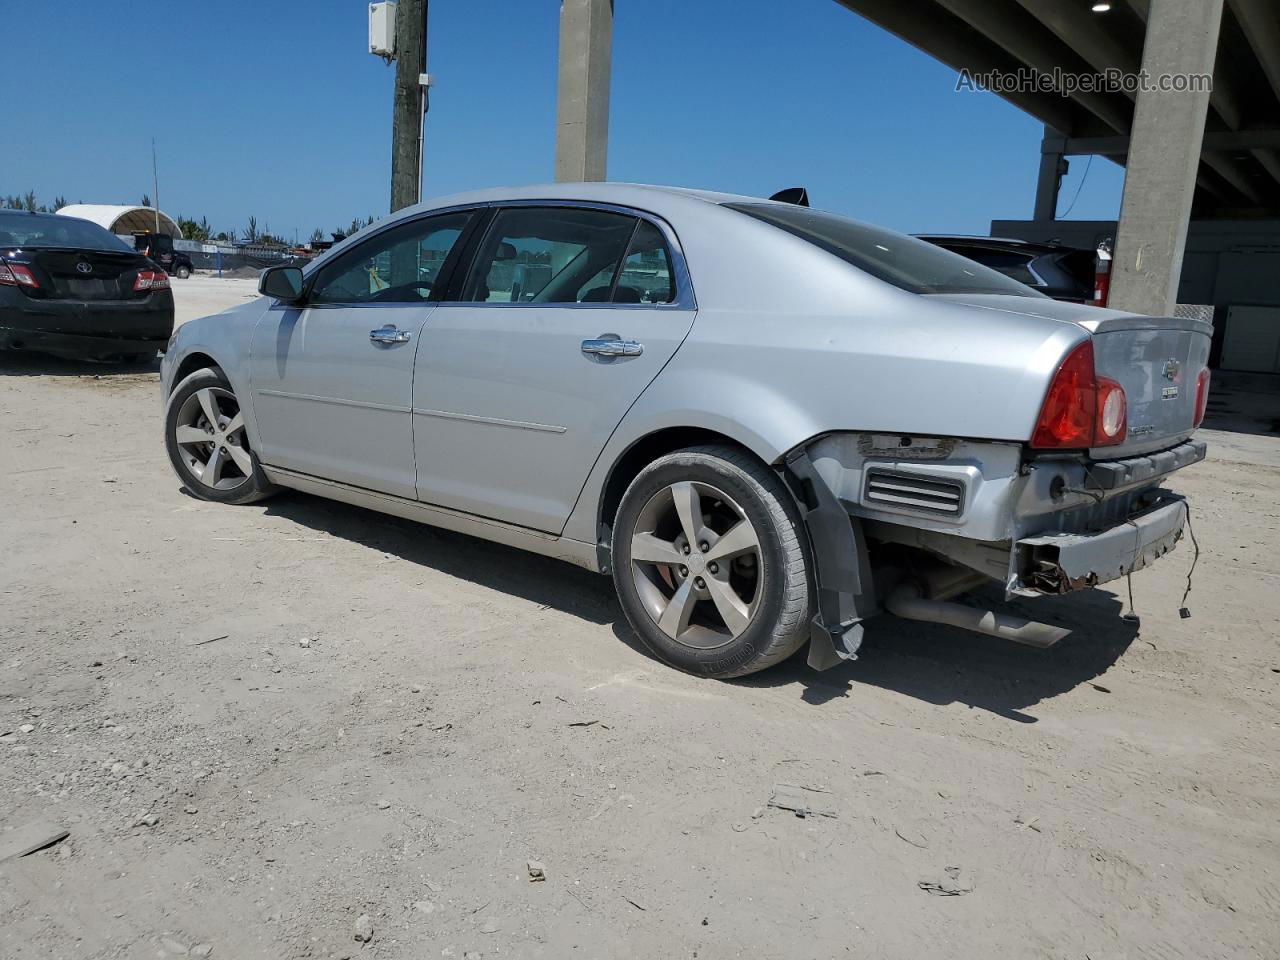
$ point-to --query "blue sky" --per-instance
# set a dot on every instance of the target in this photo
(276, 109)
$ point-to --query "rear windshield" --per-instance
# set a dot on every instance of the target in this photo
(905, 262)
(24, 230)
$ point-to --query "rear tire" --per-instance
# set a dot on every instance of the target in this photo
(709, 563)
(182, 272)
(207, 443)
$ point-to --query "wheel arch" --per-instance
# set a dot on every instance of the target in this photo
(189, 364)
(648, 448)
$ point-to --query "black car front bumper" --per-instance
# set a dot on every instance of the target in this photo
(78, 329)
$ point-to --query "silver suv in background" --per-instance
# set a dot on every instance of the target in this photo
(767, 423)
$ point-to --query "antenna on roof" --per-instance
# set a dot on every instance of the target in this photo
(797, 195)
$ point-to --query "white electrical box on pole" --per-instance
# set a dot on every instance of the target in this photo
(382, 30)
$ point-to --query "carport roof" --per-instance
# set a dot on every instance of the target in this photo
(124, 219)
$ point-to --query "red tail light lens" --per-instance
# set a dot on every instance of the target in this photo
(151, 280)
(1081, 409)
(1102, 283)
(15, 274)
(1113, 415)
(1202, 396)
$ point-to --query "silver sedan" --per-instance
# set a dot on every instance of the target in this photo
(767, 423)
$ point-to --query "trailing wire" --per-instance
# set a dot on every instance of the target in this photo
(1079, 187)
(1183, 611)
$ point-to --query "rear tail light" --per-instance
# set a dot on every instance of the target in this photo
(1113, 420)
(1102, 283)
(1081, 409)
(16, 275)
(151, 280)
(1202, 396)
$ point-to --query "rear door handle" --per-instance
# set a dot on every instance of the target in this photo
(389, 334)
(613, 348)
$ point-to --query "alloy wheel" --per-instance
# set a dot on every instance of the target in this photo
(210, 435)
(695, 563)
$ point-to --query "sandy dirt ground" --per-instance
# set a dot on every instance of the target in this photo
(262, 724)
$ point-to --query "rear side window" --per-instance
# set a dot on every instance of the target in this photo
(910, 264)
(1015, 266)
(1082, 265)
(645, 276)
(550, 255)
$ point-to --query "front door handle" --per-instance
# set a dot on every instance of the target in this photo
(613, 348)
(389, 334)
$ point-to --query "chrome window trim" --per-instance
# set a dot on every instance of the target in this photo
(684, 300)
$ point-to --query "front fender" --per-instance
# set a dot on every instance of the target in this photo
(225, 339)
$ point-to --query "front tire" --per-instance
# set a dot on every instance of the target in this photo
(709, 563)
(207, 443)
(183, 272)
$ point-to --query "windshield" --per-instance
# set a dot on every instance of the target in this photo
(24, 230)
(905, 262)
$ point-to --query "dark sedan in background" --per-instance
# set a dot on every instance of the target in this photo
(1064, 273)
(72, 289)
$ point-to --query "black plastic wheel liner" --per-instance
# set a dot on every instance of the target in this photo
(842, 568)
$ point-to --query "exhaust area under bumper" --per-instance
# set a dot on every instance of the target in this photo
(1061, 562)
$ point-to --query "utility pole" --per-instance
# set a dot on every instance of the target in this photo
(582, 90)
(410, 106)
(155, 184)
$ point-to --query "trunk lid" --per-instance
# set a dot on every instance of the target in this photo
(87, 274)
(1156, 359)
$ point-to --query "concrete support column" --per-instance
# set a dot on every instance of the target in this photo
(582, 94)
(1052, 166)
(1164, 157)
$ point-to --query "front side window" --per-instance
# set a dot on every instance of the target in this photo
(550, 255)
(906, 262)
(400, 265)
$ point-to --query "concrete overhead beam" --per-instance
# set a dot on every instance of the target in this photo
(1219, 141)
(1164, 158)
(949, 40)
(1261, 25)
(1270, 161)
(1231, 172)
(1083, 32)
(1021, 34)
(582, 91)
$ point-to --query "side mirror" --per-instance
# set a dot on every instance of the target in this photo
(281, 283)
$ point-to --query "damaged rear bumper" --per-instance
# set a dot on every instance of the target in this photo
(1061, 562)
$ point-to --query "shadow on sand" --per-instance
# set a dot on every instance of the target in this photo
(19, 364)
(929, 662)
